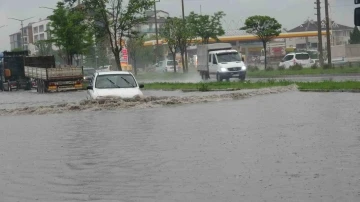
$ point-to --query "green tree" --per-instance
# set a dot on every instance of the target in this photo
(17, 49)
(264, 27)
(168, 33)
(44, 48)
(117, 19)
(70, 31)
(355, 36)
(205, 26)
(134, 46)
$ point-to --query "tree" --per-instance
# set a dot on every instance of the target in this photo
(264, 27)
(134, 46)
(168, 33)
(205, 26)
(44, 48)
(184, 35)
(117, 20)
(355, 36)
(70, 31)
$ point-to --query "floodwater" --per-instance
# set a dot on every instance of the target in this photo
(287, 146)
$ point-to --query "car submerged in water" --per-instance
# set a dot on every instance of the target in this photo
(114, 84)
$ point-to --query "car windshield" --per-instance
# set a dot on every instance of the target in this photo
(89, 72)
(228, 57)
(115, 81)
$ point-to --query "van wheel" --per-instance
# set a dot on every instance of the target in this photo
(218, 77)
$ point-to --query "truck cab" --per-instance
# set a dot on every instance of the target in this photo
(222, 60)
(226, 64)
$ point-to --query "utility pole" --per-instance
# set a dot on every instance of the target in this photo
(320, 42)
(22, 30)
(328, 42)
(186, 56)
(156, 32)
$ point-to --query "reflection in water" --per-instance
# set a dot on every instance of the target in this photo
(288, 149)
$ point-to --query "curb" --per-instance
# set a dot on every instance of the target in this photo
(209, 90)
(330, 91)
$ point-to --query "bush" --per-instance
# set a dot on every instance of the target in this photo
(203, 87)
(269, 68)
(281, 68)
(253, 68)
(327, 66)
(314, 66)
(296, 67)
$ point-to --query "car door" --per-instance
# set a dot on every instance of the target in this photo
(288, 61)
(213, 64)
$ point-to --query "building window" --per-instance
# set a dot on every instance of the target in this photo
(35, 30)
(41, 28)
(42, 36)
(36, 38)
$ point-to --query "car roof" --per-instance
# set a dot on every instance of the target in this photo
(113, 72)
(293, 53)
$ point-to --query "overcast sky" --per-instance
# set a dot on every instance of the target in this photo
(290, 13)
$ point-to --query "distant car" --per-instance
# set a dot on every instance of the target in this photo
(291, 59)
(169, 65)
(88, 74)
(117, 84)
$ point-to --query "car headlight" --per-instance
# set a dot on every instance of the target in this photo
(223, 69)
(244, 67)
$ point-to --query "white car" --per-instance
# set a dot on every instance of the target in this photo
(115, 84)
(292, 59)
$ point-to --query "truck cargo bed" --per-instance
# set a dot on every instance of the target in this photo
(54, 74)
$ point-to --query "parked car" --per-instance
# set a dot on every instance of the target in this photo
(118, 84)
(88, 73)
(292, 59)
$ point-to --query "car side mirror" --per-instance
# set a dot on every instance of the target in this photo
(89, 88)
(141, 85)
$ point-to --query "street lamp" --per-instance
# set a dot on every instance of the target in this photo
(22, 30)
(185, 52)
(156, 31)
(46, 7)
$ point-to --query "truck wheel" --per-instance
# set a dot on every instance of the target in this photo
(242, 78)
(218, 77)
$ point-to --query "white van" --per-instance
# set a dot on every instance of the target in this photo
(292, 59)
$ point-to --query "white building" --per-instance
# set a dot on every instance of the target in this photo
(148, 27)
(340, 35)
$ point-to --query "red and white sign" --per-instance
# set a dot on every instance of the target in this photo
(124, 56)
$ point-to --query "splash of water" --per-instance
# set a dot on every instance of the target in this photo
(147, 102)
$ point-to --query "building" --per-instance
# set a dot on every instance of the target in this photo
(15, 40)
(148, 27)
(32, 33)
(340, 35)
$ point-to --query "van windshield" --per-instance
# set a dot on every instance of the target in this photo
(228, 57)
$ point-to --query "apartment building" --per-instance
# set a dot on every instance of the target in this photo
(148, 27)
(15, 40)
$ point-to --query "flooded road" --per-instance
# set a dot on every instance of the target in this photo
(289, 146)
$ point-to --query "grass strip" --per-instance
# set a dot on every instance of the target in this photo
(209, 86)
(257, 74)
